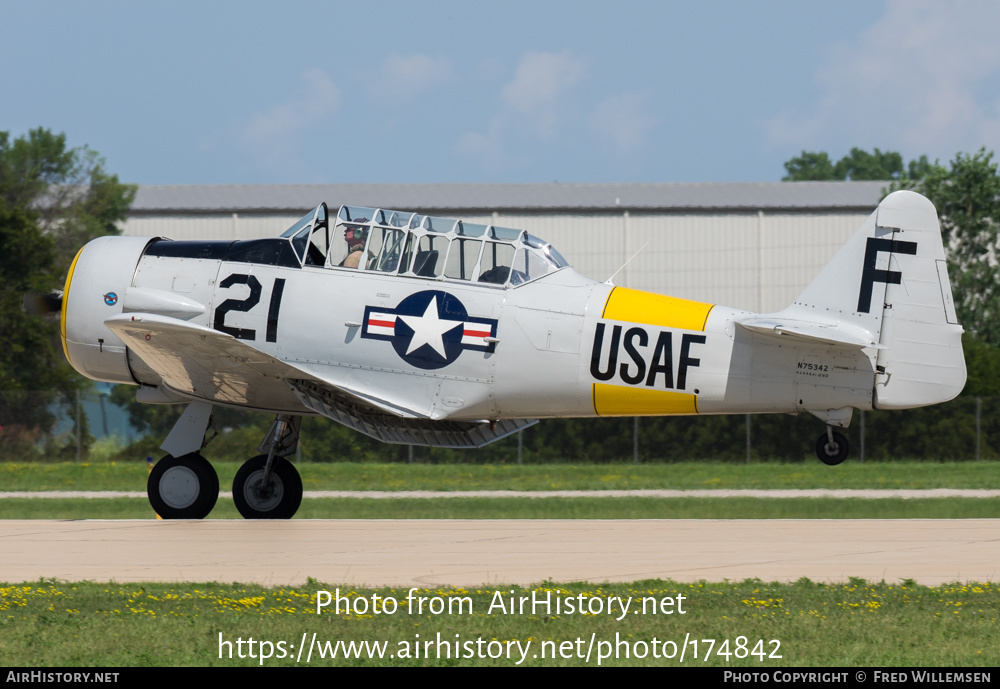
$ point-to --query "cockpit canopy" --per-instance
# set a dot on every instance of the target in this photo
(377, 240)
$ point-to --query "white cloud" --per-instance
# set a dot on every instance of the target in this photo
(488, 148)
(925, 78)
(533, 107)
(623, 121)
(271, 132)
(405, 76)
(541, 107)
(539, 83)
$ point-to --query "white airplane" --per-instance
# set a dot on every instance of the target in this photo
(431, 331)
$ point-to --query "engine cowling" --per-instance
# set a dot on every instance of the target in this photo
(98, 279)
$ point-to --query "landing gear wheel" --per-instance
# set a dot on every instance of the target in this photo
(183, 487)
(278, 500)
(834, 454)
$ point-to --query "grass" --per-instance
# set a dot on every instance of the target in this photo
(856, 623)
(398, 477)
(541, 508)
(104, 476)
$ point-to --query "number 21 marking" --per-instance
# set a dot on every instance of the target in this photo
(244, 305)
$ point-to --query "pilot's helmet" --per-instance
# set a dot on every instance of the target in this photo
(355, 232)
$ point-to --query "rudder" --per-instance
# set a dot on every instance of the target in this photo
(922, 361)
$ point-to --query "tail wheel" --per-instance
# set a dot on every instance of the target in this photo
(833, 453)
(183, 487)
(279, 499)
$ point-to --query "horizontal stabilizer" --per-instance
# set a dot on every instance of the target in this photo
(810, 332)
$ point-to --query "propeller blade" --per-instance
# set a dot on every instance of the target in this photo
(37, 304)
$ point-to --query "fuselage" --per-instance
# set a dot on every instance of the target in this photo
(384, 313)
(561, 345)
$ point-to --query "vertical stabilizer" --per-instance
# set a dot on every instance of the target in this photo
(851, 287)
(891, 281)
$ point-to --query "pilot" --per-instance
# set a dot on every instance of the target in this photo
(355, 237)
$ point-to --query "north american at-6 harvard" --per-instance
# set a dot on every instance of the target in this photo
(431, 331)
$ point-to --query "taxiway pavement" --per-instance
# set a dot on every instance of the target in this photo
(430, 553)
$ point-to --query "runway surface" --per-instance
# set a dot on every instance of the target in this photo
(431, 553)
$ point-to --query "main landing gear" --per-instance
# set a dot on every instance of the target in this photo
(261, 496)
(183, 485)
(268, 486)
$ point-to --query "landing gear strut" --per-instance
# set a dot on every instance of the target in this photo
(832, 447)
(268, 486)
(183, 487)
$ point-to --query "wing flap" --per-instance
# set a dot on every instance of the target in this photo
(406, 431)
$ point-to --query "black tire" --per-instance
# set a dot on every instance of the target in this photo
(832, 456)
(286, 489)
(183, 487)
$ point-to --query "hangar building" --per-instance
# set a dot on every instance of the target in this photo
(747, 245)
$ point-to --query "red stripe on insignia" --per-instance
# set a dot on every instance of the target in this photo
(475, 333)
(383, 324)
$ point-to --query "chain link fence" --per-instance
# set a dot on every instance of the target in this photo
(43, 426)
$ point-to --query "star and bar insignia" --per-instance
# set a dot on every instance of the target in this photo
(429, 329)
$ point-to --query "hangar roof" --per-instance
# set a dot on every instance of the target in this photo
(664, 196)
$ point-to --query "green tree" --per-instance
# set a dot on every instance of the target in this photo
(861, 165)
(857, 165)
(967, 197)
(809, 167)
(66, 191)
(53, 199)
(919, 168)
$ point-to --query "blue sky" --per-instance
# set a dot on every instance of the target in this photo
(380, 91)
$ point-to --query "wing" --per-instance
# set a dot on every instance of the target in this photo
(211, 365)
(207, 364)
